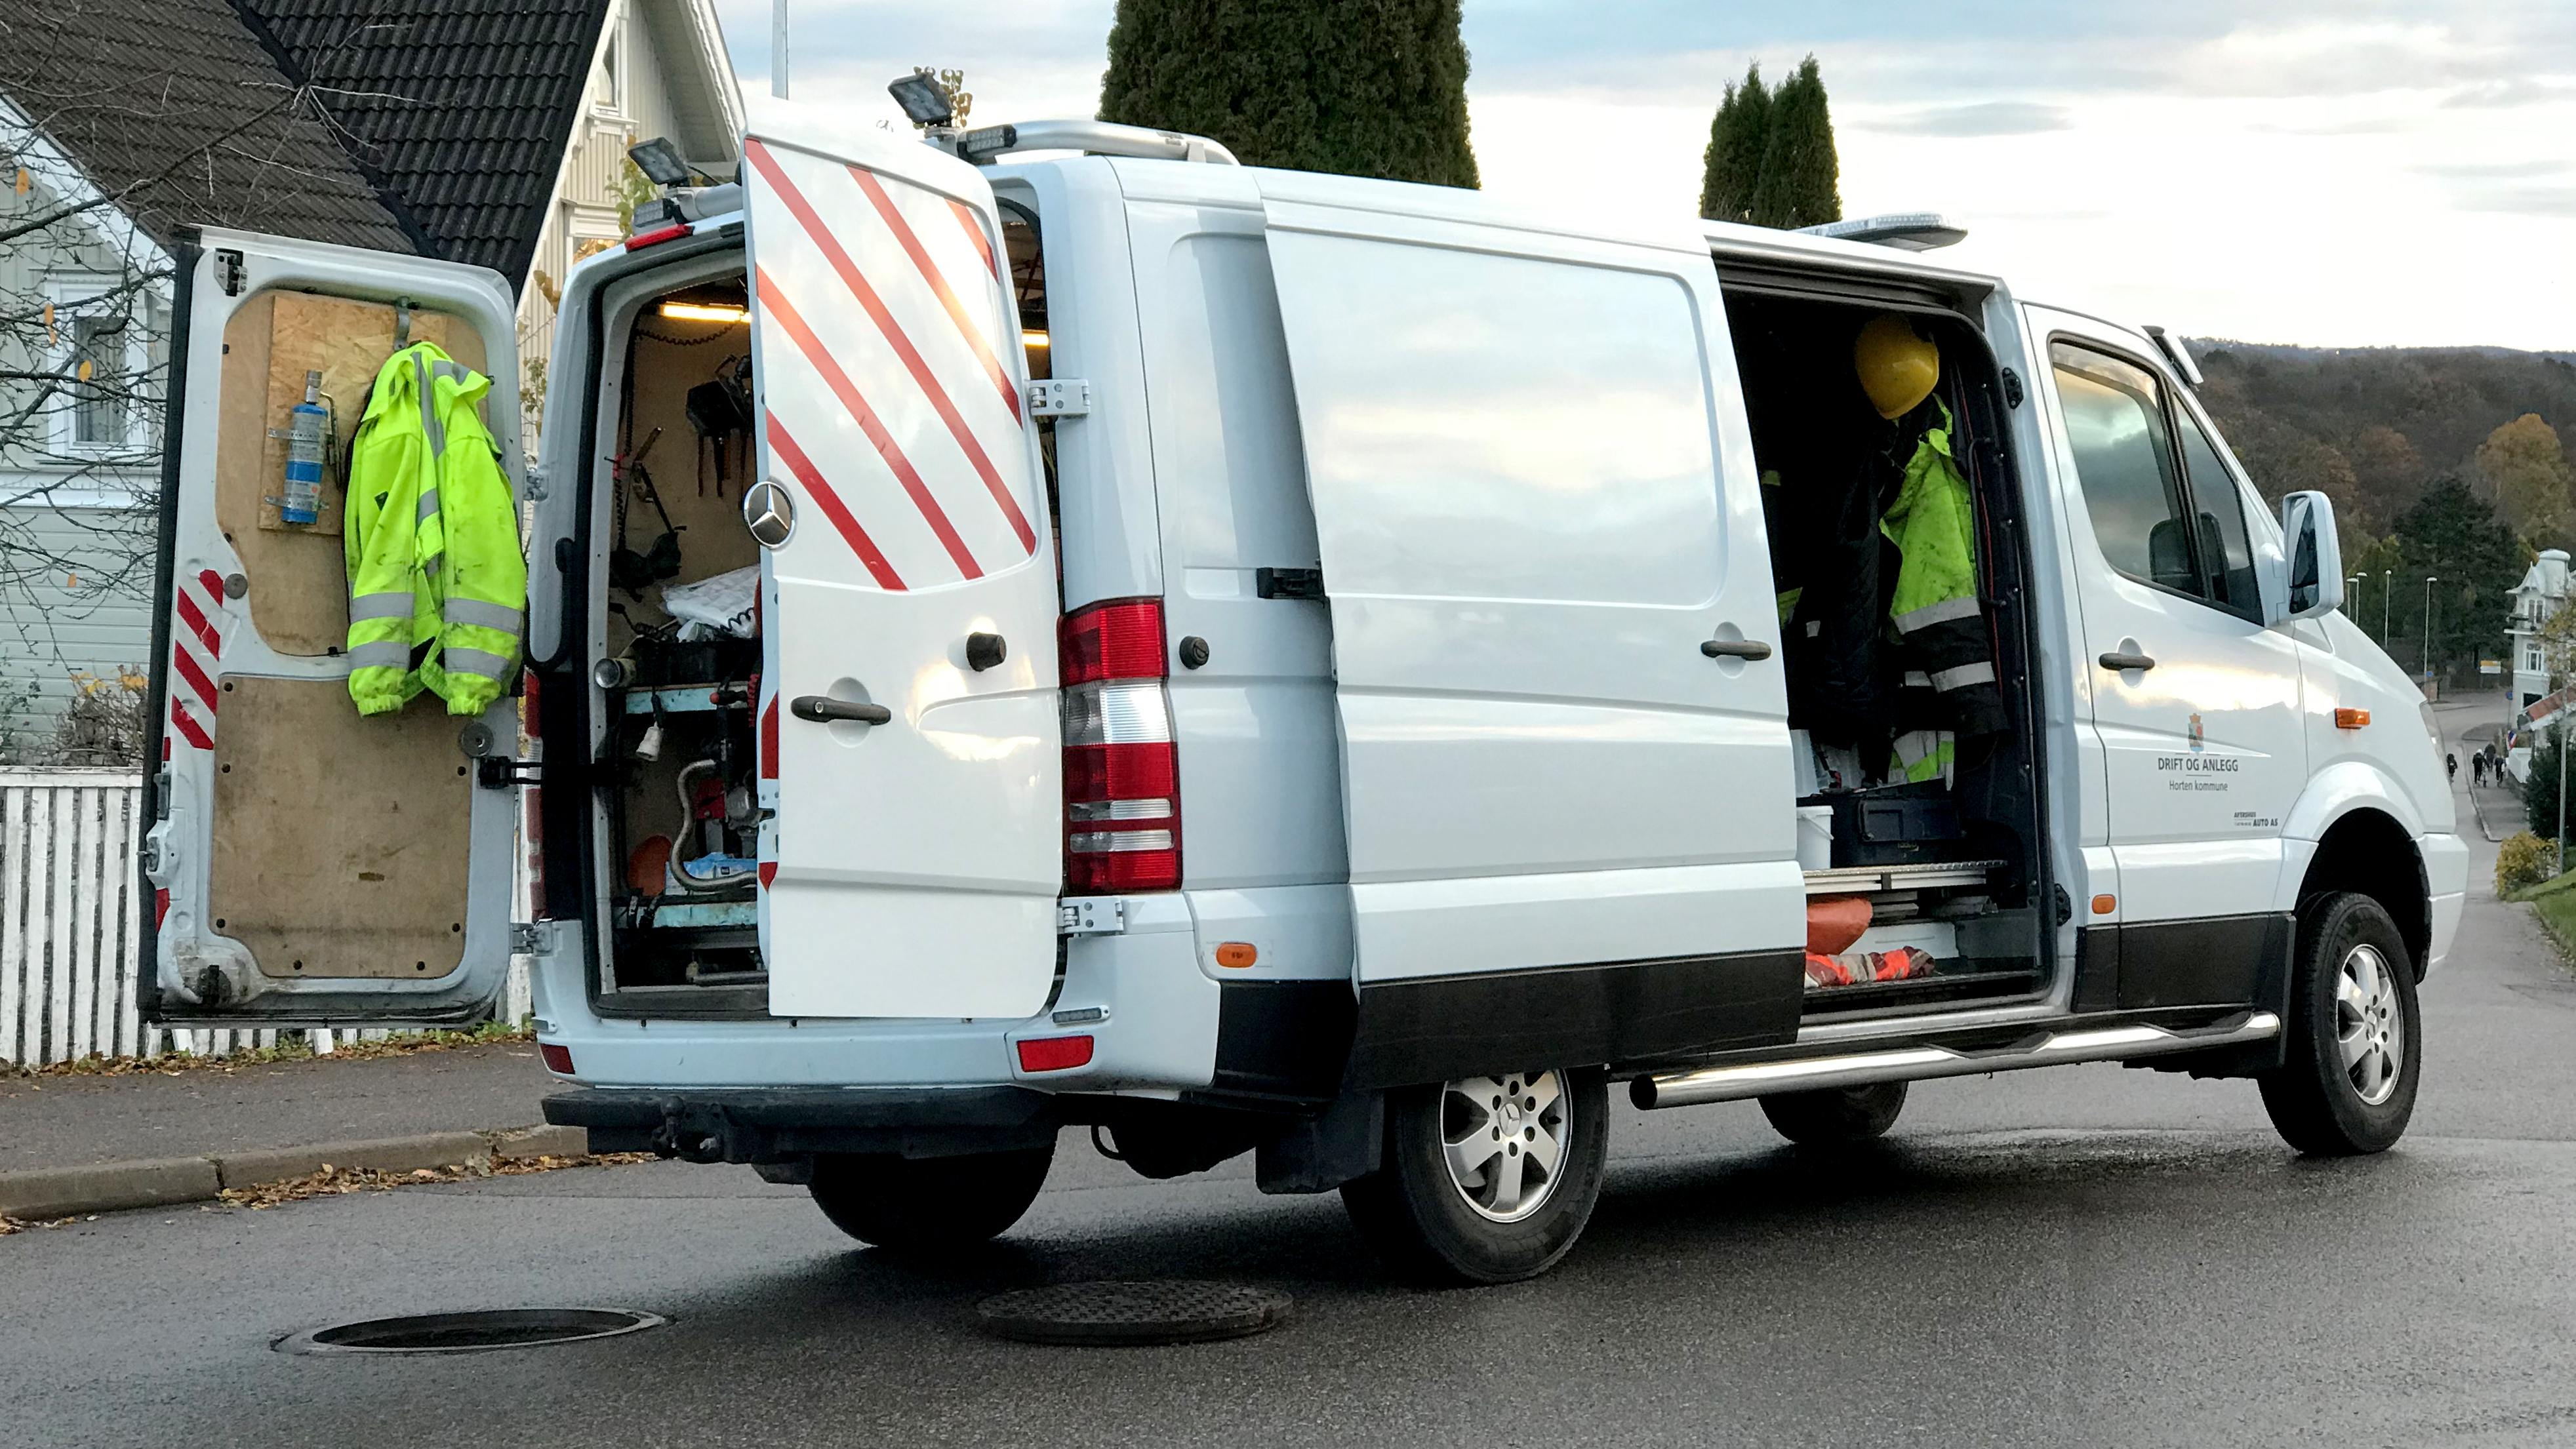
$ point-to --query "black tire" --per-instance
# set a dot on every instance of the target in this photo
(2320, 1098)
(1418, 1216)
(1835, 1114)
(926, 1204)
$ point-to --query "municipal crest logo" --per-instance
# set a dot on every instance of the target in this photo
(2194, 732)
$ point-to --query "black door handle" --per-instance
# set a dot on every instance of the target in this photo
(2125, 662)
(822, 709)
(1735, 649)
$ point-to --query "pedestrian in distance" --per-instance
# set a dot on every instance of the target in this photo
(2451, 766)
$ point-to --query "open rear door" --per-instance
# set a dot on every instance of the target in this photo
(1565, 749)
(910, 740)
(309, 865)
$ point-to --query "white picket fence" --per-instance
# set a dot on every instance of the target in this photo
(70, 950)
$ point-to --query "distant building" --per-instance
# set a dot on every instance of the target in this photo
(2540, 594)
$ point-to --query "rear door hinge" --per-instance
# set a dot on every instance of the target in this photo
(1090, 916)
(500, 772)
(532, 938)
(1059, 397)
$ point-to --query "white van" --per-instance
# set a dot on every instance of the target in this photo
(1252, 661)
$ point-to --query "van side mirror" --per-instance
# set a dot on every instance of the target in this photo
(2314, 575)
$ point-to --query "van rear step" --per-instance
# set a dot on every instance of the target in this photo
(1918, 1062)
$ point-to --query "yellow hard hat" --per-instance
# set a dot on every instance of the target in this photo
(1897, 368)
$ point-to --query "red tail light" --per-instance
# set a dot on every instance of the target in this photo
(558, 1059)
(1122, 805)
(1055, 1053)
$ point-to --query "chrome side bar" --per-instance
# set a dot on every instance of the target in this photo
(1917, 1063)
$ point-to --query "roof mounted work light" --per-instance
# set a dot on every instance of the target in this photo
(923, 102)
(660, 162)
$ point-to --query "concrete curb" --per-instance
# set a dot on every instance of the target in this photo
(61, 1192)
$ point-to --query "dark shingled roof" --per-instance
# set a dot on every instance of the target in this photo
(173, 110)
(436, 127)
(461, 108)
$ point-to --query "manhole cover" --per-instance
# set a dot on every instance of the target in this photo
(469, 1332)
(1105, 1313)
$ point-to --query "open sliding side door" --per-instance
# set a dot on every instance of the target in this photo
(307, 865)
(910, 742)
(1564, 728)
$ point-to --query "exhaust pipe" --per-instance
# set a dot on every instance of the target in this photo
(1919, 1063)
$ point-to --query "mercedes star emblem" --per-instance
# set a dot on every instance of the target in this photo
(769, 513)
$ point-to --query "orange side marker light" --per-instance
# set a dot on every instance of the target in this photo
(1237, 954)
(2351, 719)
(2105, 905)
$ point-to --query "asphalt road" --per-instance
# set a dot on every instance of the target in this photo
(2080, 1256)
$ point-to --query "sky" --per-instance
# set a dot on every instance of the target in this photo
(2349, 174)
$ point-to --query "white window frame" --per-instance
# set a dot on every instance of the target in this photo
(611, 99)
(78, 295)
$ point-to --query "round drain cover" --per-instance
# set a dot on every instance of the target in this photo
(1107, 1313)
(469, 1332)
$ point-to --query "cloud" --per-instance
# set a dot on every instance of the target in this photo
(2507, 94)
(1987, 118)
(2493, 170)
(2549, 201)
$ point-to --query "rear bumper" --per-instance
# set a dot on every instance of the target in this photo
(776, 1124)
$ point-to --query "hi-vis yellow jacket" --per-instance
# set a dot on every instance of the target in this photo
(437, 585)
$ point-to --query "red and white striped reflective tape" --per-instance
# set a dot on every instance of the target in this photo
(192, 684)
(885, 341)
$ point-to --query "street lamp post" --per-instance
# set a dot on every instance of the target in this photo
(2385, 576)
(2429, 582)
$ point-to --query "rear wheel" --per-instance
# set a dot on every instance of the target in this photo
(2347, 1085)
(1835, 1114)
(1485, 1179)
(928, 1203)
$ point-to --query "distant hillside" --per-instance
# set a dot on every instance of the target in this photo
(2371, 426)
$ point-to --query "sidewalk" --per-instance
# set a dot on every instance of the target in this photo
(71, 1143)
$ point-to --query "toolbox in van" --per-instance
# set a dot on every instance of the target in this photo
(1893, 825)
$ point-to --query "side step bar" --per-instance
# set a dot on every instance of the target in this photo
(1917, 1063)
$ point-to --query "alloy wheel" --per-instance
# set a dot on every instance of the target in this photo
(2370, 1027)
(1503, 1139)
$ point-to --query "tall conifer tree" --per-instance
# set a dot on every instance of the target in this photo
(1736, 140)
(1359, 87)
(1801, 178)
(1770, 158)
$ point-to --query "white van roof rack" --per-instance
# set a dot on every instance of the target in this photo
(1913, 231)
(986, 143)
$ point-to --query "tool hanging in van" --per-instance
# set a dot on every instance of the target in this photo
(635, 572)
(720, 414)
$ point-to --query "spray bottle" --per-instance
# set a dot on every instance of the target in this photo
(307, 434)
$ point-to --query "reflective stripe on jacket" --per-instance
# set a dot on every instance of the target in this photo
(1935, 608)
(427, 491)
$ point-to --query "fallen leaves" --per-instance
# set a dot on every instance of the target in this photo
(299, 1049)
(332, 1180)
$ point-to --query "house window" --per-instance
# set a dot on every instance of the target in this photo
(609, 86)
(101, 356)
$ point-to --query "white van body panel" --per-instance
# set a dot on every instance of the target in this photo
(203, 973)
(910, 868)
(2204, 753)
(1518, 680)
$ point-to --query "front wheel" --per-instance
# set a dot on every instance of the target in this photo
(1485, 1179)
(2347, 1085)
(927, 1204)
